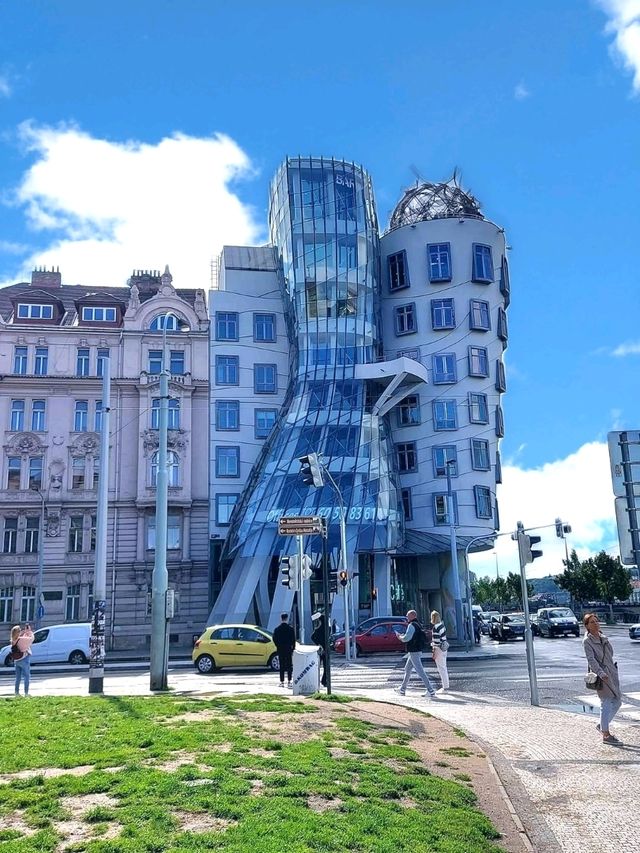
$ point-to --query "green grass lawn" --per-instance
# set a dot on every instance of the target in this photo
(258, 775)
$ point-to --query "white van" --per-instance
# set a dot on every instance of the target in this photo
(57, 643)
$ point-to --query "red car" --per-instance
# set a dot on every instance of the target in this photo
(377, 638)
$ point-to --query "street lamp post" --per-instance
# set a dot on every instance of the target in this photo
(467, 578)
(454, 546)
(343, 565)
(39, 606)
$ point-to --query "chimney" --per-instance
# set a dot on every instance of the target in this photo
(45, 278)
(147, 281)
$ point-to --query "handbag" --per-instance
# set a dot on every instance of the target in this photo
(592, 680)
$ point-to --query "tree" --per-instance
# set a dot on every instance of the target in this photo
(501, 592)
(612, 579)
(514, 587)
(482, 591)
(579, 578)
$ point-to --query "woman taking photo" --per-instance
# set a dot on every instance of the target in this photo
(21, 640)
(599, 654)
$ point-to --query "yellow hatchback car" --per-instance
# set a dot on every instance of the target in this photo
(234, 646)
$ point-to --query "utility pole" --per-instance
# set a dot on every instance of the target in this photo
(454, 549)
(39, 599)
(301, 588)
(96, 642)
(327, 609)
(526, 555)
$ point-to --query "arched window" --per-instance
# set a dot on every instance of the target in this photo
(173, 469)
(162, 321)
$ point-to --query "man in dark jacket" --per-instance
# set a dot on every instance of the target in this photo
(285, 639)
(318, 638)
(415, 642)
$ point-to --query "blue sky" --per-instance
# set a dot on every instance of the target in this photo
(134, 135)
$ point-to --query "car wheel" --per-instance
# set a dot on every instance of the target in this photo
(77, 657)
(206, 664)
(274, 662)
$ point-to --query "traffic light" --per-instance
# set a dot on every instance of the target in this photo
(527, 553)
(289, 569)
(344, 578)
(333, 582)
(311, 470)
(374, 593)
(561, 528)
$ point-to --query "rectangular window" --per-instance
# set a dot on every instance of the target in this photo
(265, 378)
(41, 364)
(441, 509)
(342, 441)
(32, 535)
(14, 473)
(407, 505)
(77, 472)
(227, 326)
(503, 330)
(92, 537)
(76, 534)
(265, 420)
(479, 318)
(480, 454)
(498, 467)
(443, 314)
(398, 271)
(227, 461)
(224, 508)
(96, 472)
(482, 496)
(155, 361)
(98, 314)
(227, 370)
(89, 602)
(35, 472)
(499, 422)
(17, 416)
(505, 286)
(439, 262)
(72, 603)
(6, 604)
(478, 361)
(318, 396)
(407, 456)
(81, 416)
(320, 356)
(82, 362)
(444, 415)
(478, 409)
(482, 263)
(173, 414)
(103, 355)
(38, 408)
(445, 456)
(228, 415)
(20, 360)
(10, 536)
(174, 533)
(28, 604)
(264, 327)
(408, 411)
(35, 312)
(501, 379)
(409, 353)
(444, 368)
(97, 421)
(176, 362)
(405, 319)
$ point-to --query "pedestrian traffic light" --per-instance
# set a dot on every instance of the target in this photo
(311, 470)
(561, 528)
(344, 578)
(374, 593)
(527, 553)
(289, 569)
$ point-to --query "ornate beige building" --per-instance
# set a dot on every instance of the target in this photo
(53, 342)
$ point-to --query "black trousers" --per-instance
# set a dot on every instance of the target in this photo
(285, 656)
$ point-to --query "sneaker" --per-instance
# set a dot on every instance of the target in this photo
(289, 684)
(281, 684)
(399, 691)
(428, 695)
(442, 690)
(598, 729)
(612, 739)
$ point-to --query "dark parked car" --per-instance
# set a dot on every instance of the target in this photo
(634, 631)
(487, 616)
(535, 628)
(557, 622)
(509, 626)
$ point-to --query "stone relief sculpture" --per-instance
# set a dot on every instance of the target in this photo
(56, 473)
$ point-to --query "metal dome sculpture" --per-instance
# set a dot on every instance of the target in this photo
(434, 201)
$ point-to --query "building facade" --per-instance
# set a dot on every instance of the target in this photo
(54, 340)
(391, 369)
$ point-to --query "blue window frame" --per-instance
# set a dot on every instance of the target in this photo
(407, 504)
(97, 421)
(173, 415)
(445, 415)
(103, 355)
(17, 415)
(155, 361)
(82, 362)
(443, 454)
(20, 360)
(176, 362)
(318, 395)
(405, 319)
(505, 285)
(498, 467)
(264, 421)
(81, 416)
(482, 496)
(228, 414)
(479, 316)
(265, 378)
(227, 461)
(499, 422)
(38, 410)
(478, 361)
(444, 368)
(443, 314)
(224, 508)
(227, 370)
(398, 271)
(408, 411)
(162, 321)
(441, 508)
(41, 361)
(227, 326)
(480, 460)
(478, 409)
(264, 328)
(407, 457)
(439, 255)
(482, 263)
(503, 330)
(501, 379)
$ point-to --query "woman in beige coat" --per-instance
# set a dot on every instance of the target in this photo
(599, 654)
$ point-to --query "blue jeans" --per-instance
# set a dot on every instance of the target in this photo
(23, 671)
(609, 707)
(414, 661)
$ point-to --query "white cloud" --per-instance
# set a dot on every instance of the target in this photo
(521, 93)
(111, 207)
(631, 348)
(624, 23)
(577, 489)
(5, 87)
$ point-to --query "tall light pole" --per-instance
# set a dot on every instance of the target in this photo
(343, 564)
(454, 547)
(39, 605)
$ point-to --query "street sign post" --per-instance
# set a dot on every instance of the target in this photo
(624, 455)
(302, 525)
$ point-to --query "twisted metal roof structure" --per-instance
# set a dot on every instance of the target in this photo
(434, 201)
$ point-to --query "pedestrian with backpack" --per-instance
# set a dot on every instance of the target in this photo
(21, 641)
(440, 647)
(416, 642)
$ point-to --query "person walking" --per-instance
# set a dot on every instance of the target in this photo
(21, 642)
(285, 639)
(318, 639)
(599, 653)
(439, 648)
(416, 643)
